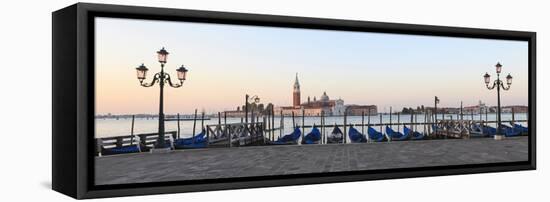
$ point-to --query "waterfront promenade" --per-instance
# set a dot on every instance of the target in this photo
(293, 159)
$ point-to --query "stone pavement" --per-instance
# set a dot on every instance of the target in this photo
(294, 159)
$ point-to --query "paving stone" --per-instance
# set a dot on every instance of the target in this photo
(294, 159)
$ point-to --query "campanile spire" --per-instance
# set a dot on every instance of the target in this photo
(296, 92)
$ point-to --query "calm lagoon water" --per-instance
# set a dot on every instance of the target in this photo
(122, 127)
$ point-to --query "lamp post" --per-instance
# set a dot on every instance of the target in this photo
(161, 78)
(248, 99)
(499, 84)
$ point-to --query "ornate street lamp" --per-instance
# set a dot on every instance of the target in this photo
(499, 84)
(161, 78)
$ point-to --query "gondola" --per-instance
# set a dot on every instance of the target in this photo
(489, 131)
(375, 135)
(484, 130)
(397, 136)
(121, 150)
(336, 136)
(355, 136)
(510, 131)
(476, 129)
(436, 128)
(415, 135)
(291, 138)
(312, 137)
(199, 141)
(524, 130)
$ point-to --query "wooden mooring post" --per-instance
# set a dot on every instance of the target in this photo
(303, 123)
(461, 114)
(424, 125)
(427, 117)
(513, 117)
(227, 130)
(344, 136)
(293, 122)
(132, 131)
(413, 126)
(219, 118)
(282, 124)
(265, 127)
(322, 127)
(273, 123)
(178, 125)
(391, 117)
(219, 127)
(368, 124)
(202, 121)
(398, 120)
(194, 123)
(380, 121)
(363, 121)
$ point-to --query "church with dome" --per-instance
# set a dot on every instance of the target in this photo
(312, 107)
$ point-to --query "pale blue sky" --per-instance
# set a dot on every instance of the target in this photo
(227, 61)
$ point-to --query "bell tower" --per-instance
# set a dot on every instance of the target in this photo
(296, 93)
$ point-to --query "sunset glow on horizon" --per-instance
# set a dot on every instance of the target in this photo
(226, 62)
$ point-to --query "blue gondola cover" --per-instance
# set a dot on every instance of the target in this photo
(355, 136)
(312, 137)
(523, 129)
(415, 135)
(121, 150)
(291, 138)
(375, 135)
(396, 135)
(199, 141)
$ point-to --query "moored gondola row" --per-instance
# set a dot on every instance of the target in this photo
(263, 132)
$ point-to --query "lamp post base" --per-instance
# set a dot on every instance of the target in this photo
(160, 150)
(499, 137)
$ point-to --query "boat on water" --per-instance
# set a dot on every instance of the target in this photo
(312, 137)
(121, 150)
(524, 130)
(375, 135)
(414, 135)
(396, 136)
(291, 138)
(336, 136)
(510, 131)
(355, 136)
(478, 130)
(198, 141)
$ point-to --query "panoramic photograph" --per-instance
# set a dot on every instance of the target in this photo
(178, 101)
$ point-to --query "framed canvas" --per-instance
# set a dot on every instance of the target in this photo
(157, 100)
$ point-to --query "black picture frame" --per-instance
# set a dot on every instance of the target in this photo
(73, 99)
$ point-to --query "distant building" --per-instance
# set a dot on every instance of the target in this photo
(314, 107)
(477, 109)
(358, 110)
(515, 108)
(338, 109)
(311, 108)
